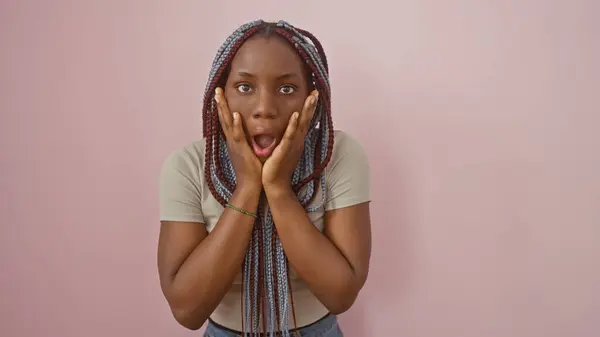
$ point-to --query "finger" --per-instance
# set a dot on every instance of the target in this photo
(292, 127)
(308, 111)
(238, 130)
(223, 108)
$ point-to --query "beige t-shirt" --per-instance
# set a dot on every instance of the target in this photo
(184, 196)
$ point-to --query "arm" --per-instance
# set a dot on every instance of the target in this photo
(335, 268)
(196, 269)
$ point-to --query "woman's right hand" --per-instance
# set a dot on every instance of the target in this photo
(247, 166)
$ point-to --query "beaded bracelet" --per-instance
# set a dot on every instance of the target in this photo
(241, 210)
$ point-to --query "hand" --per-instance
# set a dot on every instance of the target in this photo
(279, 167)
(246, 164)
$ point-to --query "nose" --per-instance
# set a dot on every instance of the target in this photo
(265, 106)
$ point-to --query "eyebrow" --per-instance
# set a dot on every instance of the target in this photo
(282, 76)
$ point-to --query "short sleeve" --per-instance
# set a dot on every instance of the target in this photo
(180, 189)
(348, 177)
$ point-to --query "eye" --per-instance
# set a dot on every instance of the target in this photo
(244, 88)
(287, 90)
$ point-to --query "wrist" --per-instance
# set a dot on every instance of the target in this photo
(278, 190)
(248, 187)
(247, 193)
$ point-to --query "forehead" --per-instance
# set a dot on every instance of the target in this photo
(267, 55)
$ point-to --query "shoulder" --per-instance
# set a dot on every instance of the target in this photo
(347, 150)
(347, 174)
(189, 157)
(184, 165)
(181, 184)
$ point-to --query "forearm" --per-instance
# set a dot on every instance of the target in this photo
(322, 267)
(207, 274)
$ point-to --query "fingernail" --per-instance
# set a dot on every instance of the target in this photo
(296, 114)
(235, 115)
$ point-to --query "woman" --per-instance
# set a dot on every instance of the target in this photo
(265, 223)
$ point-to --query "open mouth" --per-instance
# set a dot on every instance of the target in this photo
(263, 145)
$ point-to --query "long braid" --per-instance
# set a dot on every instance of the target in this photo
(266, 289)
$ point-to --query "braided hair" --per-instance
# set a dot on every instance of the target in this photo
(265, 273)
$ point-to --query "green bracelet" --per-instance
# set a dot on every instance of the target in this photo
(241, 210)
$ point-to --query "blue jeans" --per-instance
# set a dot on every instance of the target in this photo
(325, 327)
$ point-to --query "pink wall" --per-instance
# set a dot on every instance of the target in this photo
(486, 173)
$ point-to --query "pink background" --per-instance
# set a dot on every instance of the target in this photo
(481, 119)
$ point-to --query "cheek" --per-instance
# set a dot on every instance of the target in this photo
(293, 105)
(233, 100)
(240, 104)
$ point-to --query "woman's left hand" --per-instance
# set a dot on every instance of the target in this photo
(278, 168)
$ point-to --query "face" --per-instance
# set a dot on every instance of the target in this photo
(266, 84)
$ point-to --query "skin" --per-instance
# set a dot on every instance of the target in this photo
(266, 88)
